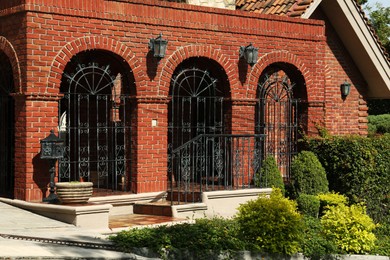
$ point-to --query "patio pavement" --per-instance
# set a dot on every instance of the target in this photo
(57, 240)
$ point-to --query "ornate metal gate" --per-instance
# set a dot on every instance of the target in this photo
(95, 124)
(7, 128)
(277, 119)
(196, 107)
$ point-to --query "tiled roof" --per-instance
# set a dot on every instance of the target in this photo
(291, 8)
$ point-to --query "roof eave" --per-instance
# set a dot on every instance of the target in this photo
(360, 41)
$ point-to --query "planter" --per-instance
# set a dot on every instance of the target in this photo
(74, 192)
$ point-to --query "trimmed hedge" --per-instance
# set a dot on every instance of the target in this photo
(379, 124)
(358, 167)
(307, 174)
(269, 175)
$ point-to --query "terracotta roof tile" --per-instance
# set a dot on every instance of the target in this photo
(279, 7)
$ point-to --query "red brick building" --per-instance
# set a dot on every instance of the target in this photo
(84, 69)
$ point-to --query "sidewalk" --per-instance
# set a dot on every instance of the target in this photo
(56, 239)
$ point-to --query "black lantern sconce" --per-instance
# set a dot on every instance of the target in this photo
(249, 53)
(158, 46)
(345, 88)
(52, 148)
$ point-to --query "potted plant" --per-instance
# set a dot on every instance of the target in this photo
(74, 192)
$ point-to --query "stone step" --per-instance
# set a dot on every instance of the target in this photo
(161, 208)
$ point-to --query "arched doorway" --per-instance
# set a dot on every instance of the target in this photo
(7, 130)
(199, 112)
(279, 115)
(95, 120)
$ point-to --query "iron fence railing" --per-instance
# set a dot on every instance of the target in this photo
(211, 162)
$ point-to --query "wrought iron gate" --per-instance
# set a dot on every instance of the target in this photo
(277, 119)
(196, 107)
(7, 128)
(95, 124)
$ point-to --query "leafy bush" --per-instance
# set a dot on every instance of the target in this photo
(204, 239)
(307, 174)
(358, 167)
(269, 175)
(308, 205)
(273, 225)
(331, 199)
(315, 245)
(379, 124)
(383, 242)
(350, 228)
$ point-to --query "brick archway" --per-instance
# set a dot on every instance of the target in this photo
(186, 52)
(268, 59)
(89, 43)
(10, 52)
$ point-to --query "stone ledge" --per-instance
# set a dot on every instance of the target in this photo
(85, 216)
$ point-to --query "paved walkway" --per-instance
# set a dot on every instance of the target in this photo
(57, 240)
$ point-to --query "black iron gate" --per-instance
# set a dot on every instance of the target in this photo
(277, 119)
(197, 107)
(95, 124)
(7, 128)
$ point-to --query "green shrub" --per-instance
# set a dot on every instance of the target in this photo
(314, 245)
(383, 242)
(350, 228)
(308, 205)
(204, 239)
(273, 225)
(358, 167)
(307, 174)
(269, 175)
(331, 199)
(379, 124)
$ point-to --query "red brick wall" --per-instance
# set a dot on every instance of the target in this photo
(349, 115)
(51, 33)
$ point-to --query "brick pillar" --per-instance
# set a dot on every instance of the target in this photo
(35, 116)
(151, 142)
(243, 122)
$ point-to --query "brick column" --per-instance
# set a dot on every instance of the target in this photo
(35, 116)
(150, 173)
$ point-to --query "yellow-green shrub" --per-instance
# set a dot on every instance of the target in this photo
(349, 227)
(273, 225)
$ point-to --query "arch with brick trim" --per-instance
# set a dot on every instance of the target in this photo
(186, 52)
(272, 58)
(9, 51)
(91, 43)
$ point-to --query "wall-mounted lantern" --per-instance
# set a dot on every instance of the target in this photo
(158, 46)
(345, 88)
(249, 53)
(52, 148)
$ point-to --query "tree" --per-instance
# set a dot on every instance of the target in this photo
(380, 20)
(362, 2)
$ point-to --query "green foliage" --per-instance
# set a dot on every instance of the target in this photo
(308, 205)
(358, 167)
(379, 124)
(383, 242)
(315, 245)
(272, 225)
(307, 174)
(269, 175)
(212, 236)
(380, 20)
(331, 199)
(350, 228)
